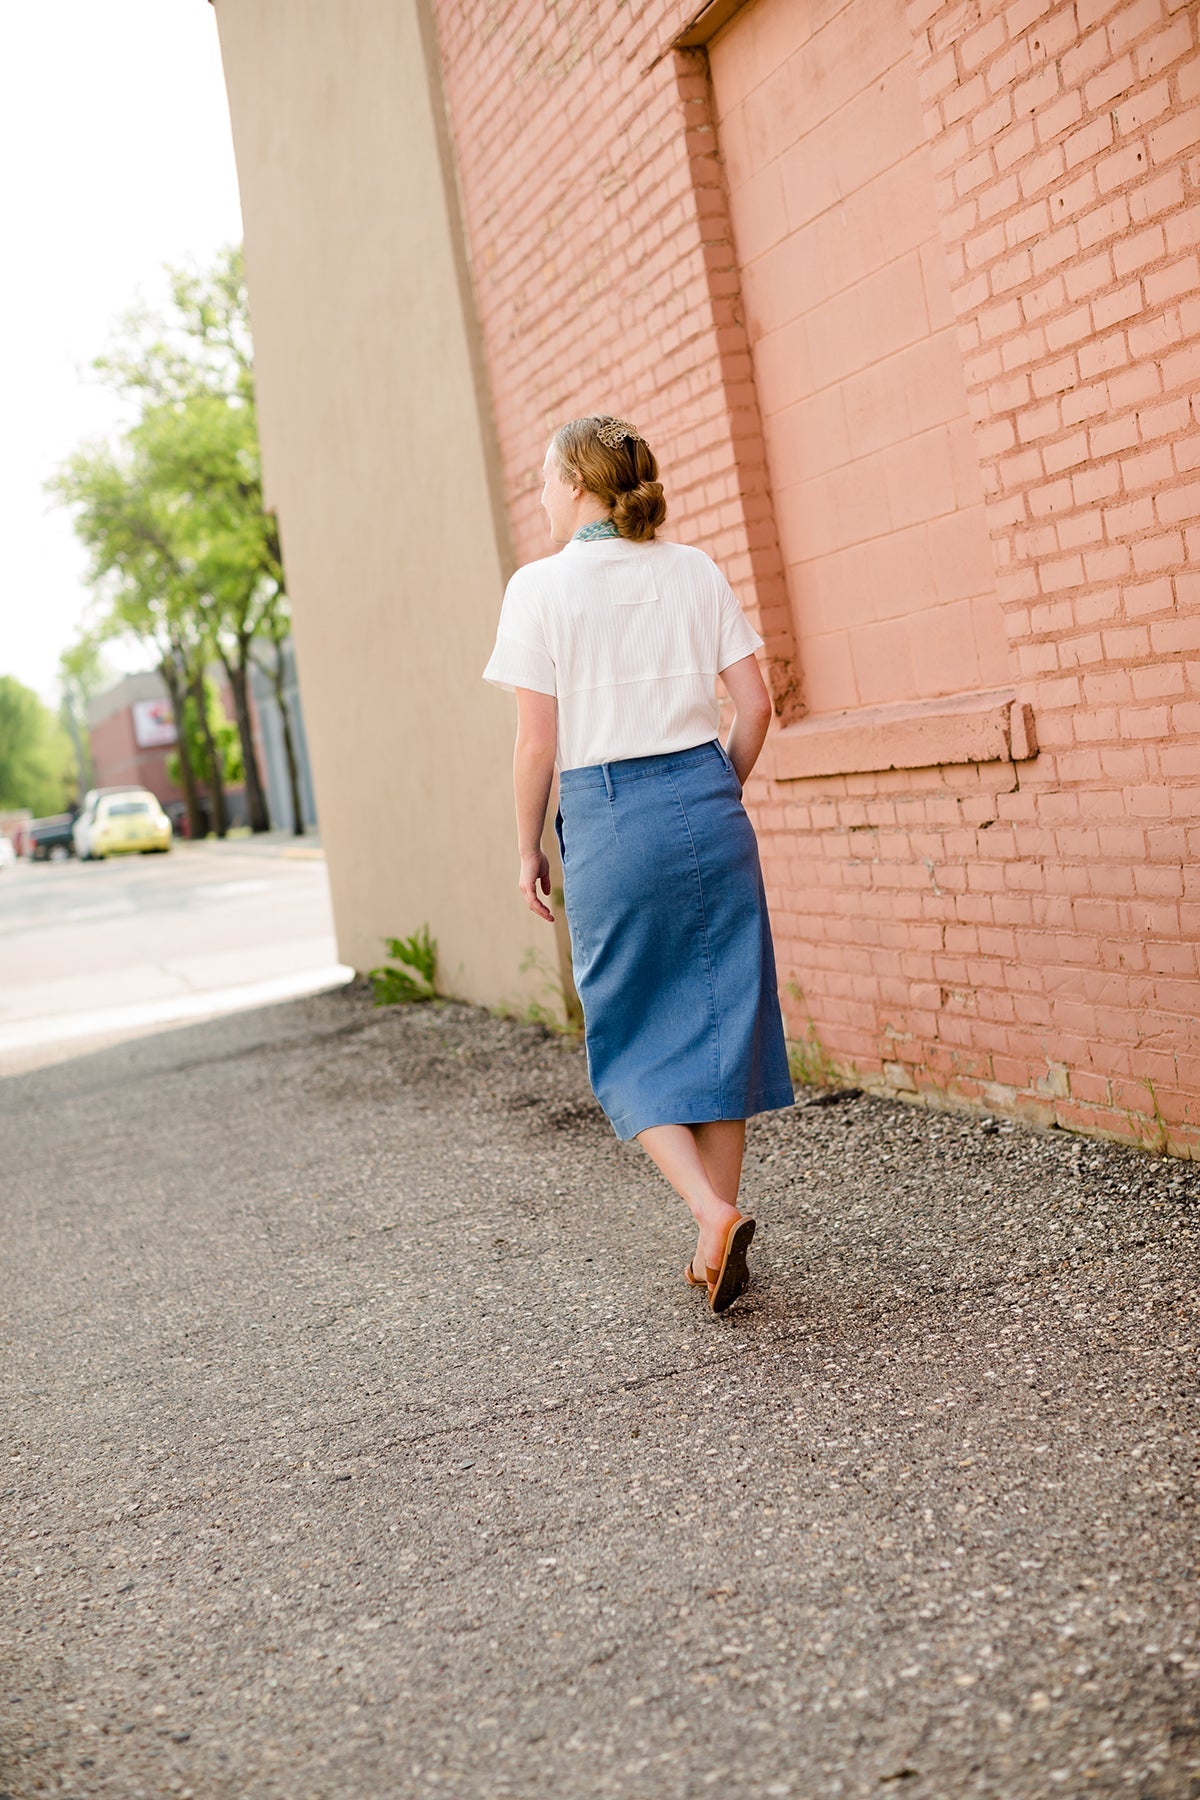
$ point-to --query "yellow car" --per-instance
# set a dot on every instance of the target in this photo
(132, 821)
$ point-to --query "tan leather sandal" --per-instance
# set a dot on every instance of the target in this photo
(727, 1282)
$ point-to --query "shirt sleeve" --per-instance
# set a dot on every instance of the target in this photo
(738, 637)
(520, 658)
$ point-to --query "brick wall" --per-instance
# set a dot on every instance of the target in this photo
(1017, 934)
(604, 269)
(1066, 142)
(878, 495)
(119, 762)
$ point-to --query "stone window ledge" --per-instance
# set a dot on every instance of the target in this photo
(964, 728)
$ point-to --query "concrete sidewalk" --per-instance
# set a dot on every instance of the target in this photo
(262, 843)
(365, 1440)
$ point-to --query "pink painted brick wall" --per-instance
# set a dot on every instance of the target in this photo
(878, 494)
(1015, 935)
(604, 270)
(1066, 145)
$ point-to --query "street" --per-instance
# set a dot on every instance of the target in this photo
(92, 953)
(363, 1438)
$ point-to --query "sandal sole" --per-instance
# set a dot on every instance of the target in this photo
(734, 1272)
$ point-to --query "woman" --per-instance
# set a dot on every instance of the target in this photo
(613, 648)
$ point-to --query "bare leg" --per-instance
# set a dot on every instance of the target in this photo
(721, 1143)
(675, 1151)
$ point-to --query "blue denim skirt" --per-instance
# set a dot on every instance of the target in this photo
(670, 941)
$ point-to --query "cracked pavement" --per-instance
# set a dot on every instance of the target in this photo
(363, 1438)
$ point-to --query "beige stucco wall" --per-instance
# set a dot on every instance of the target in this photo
(375, 454)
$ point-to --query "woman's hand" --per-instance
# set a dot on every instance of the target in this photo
(535, 874)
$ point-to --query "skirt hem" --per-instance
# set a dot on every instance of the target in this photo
(700, 1112)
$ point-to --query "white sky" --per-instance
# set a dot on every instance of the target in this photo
(116, 157)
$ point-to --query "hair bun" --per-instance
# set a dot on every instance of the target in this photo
(639, 511)
(611, 460)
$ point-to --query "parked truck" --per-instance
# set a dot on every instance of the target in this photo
(52, 837)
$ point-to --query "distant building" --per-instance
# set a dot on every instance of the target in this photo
(131, 728)
(132, 732)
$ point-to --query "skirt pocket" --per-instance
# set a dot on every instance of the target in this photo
(726, 759)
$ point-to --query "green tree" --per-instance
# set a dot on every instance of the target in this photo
(129, 529)
(36, 761)
(201, 343)
(191, 368)
(217, 731)
(182, 548)
(82, 673)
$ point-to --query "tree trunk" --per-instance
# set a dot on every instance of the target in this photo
(187, 774)
(289, 748)
(257, 815)
(80, 742)
(220, 817)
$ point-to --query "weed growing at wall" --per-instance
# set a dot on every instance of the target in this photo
(415, 978)
(809, 1063)
(549, 1007)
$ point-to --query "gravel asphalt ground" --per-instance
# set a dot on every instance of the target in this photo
(364, 1439)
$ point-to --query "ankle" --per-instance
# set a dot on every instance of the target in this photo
(714, 1227)
(712, 1220)
(717, 1212)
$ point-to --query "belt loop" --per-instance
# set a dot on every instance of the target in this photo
(607, 779)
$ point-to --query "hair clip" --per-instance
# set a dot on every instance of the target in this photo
(613, 432)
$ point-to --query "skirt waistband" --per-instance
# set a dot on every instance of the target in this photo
(638, 768)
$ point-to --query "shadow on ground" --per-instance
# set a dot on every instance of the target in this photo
(364, 1439)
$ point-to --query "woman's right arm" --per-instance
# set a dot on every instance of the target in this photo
(533, 773)
(751, 714)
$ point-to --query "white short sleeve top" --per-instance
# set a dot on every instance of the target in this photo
(629, 638)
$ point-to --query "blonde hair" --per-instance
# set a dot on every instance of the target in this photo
(609, 458)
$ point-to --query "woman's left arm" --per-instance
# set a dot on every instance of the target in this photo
(533, 772)
(751, 714)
